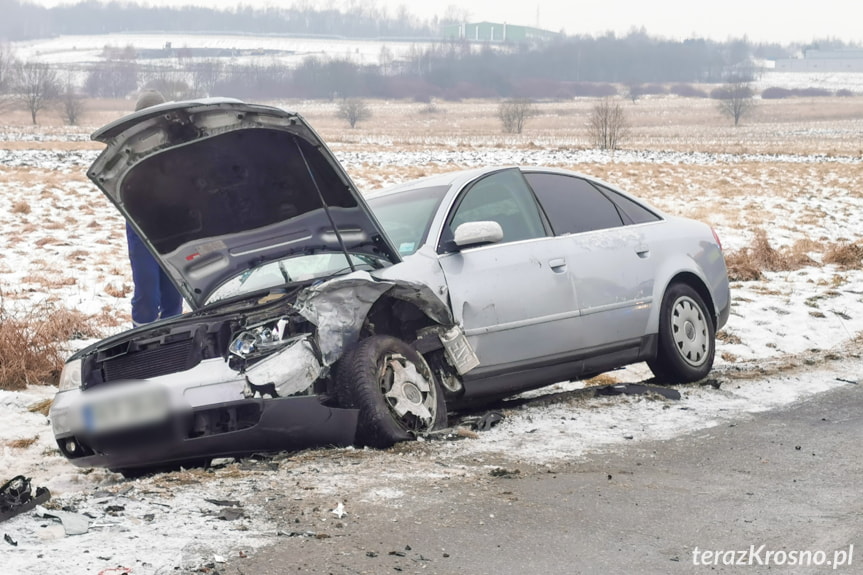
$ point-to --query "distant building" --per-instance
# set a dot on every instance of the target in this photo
(496, 32)
(823, 61)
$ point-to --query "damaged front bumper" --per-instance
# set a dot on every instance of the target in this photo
(166, 419)
(228, 429)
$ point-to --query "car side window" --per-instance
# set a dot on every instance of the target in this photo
(632, 212)
(572, 204)
(503, 197)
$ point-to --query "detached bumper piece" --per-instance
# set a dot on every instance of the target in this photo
(16, 497)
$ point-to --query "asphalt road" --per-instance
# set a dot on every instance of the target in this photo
(779, 491)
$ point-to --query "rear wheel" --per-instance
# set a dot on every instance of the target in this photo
(687, 337)
(394, 389)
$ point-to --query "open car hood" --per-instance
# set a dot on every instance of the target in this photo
(218, 186)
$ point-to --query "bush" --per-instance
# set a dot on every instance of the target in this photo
(775, 94)
(720, 93)
(847, 256)
(748, 264)
(33, 344)
(353, 110)
(687, 91)
(607, 125)
(812, 93)
(593, 90)
(514, 113)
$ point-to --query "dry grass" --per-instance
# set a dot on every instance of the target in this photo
(21, 443)
(749, 263)
(120, 291)
(601, 380)
(32, 344)
(20, 207)
(41, 407)
(845, 255)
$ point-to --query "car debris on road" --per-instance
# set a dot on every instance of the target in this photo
(16, 496)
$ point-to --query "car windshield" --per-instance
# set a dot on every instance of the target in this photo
(406, 216)
(293, 270)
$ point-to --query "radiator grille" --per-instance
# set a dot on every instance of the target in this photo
(162, 360)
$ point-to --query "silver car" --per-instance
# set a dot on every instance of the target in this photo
(323, 318)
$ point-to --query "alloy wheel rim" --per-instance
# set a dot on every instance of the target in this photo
(409, 394)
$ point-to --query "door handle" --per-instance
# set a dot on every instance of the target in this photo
(557, 265)
(642, 251)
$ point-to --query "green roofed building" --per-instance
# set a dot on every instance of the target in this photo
(496, 32)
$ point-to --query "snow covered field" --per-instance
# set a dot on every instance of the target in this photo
(791, 334)
(80, 50)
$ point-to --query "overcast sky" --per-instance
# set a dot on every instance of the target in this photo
(760, 20)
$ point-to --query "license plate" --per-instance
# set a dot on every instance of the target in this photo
(139, 407)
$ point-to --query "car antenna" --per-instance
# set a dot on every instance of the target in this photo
(325, 206)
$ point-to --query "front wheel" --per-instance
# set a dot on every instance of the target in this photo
(687, 337)
(394, 389)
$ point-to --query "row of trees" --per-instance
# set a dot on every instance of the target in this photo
(23, 20)
(35, 85)
(449, 71)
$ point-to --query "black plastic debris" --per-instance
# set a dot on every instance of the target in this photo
(231, 513)
(712, 382)
(9, 540)
(223, 502)
(487, 421)
(505, 473)
(16, 496)
(637, 389)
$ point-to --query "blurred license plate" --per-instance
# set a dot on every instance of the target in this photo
(139, 407)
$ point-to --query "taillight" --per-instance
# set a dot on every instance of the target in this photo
(716, 237)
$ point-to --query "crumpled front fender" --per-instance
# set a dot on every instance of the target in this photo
(338, 308)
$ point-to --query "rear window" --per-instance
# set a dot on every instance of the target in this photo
(572, 204)
(632, 211)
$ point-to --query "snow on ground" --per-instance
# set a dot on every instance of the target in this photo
(63, 244)
(833, 81)
(238, 48)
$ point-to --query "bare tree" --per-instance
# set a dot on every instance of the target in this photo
(7, 75)
(353, 110)
(634, 92)
(170, 82)
(607, 125)
(514, 113)
(36, 87)
(72, 102)
(735, 99)
(205, 75)
(7, 67)
(112, 79)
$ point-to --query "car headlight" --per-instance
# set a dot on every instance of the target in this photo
(70, 377)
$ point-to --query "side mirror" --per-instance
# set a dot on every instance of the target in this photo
(475, 233)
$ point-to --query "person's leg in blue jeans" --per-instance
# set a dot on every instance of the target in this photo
(155, 296)
(171, 302)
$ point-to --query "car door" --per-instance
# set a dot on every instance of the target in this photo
(607, 246)
(514, 298)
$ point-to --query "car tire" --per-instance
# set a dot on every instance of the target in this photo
(687, 337)
(397, 394)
